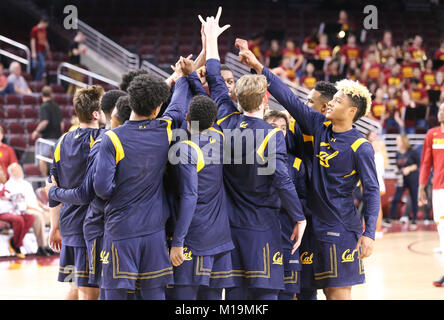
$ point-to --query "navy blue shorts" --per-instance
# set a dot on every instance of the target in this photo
(95, 266)
(258, 258)
(306, 255)
(74, 266)
(214, 271)
(144, 260)
(338, 265)
(292, 272)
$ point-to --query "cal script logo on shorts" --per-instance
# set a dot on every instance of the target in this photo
(187, 254)
(306, 259)
(277, 258)
(348, 257)
(334, 234)
(104, 257)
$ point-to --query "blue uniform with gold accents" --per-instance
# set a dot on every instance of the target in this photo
(340, 160)
(201, 225)
(93, 224)
(129, 175)
(69, 168)
(257, 184)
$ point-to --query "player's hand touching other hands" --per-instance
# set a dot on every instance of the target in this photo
(176, 255)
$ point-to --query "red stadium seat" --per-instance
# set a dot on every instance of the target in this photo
(2, 114)
(16, 128)
(57, 88)
(2, 100)
(31, 126)
(17, 143)
(31, 141)
(30, 113)
(12, 99)
(31, 170)
(66, 113)
(60, 99)
(13, 113)
(30, 100)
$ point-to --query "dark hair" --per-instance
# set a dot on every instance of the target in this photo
(109, 100)
(129, 76)
(46, 91)
(86, 101)
(414, 80)
(146, 93)
(204, 110)
(224, 67)
(123, 110)
(361, 104)
(326, 89)
(44, 19)
(275, 114)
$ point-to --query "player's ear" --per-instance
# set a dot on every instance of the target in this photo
(187, 117)
(156, 111)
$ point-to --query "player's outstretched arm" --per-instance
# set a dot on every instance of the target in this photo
(194, 80)
(84, 193)
(366, 168)
(188, 192)
(306, 117)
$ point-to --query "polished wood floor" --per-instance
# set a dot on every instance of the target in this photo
(402, 266)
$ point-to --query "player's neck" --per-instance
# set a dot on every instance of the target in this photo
(92, 125)
(442, 129)
(341, 126)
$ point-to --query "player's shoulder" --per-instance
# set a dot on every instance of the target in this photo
(434, 131)
(233, 116)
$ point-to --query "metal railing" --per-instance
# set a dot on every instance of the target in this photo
(15, 57)
(91, 75)
(37, 148)
(154, 69)
(108, 49)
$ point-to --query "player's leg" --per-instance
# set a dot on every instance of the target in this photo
(308, 294)
(396, 199)
(152, 293)
(283, 295)
(207, 293)
(186, 292)
(73, 293)
(236, 293)
(438, 216)
(413, 190)
(88, 293)
(338, 293)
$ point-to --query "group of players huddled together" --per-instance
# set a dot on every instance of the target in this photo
(185, 193)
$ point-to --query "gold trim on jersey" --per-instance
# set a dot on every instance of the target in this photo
(200, 155)
(57, 149)
(261, 149)
(358, 143)
(77, 273)
(297, 163)
(291, 279)
(169, 131)
(308, 138)
(120, 153)
(333, 272)
(117, 274)
(222, 119)
(91, 143)
(215, 130)
(291, 125)
(327, 123)
(92, 268)
(350, 174)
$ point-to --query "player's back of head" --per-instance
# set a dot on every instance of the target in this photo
(326, 89)
(129, 76)
(122, 110)
(109, 100)
(203, 110)
(86, 101)
(250, 91)
(146, 94)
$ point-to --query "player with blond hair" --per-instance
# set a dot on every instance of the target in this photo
(342, 157)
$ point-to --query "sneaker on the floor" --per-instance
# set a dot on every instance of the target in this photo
(50, 251)
(413, 226)
(404, 219)
(427, 222)
(41, 252)
(386, 223)
(437, 250)
(439, 283)
(14, 250)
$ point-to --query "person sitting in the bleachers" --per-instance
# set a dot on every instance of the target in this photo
(7, 157)
(3, 81)
(17, 185)
(21, 223)
(19, 84)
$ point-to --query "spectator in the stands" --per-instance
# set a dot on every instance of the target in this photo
(40, 48)
(18, 82)
(21, 223)
(332, 73)
(353, 71)
(7, 157)
(17, 185)
(407, 162)
(372, 69)
(310, 44)
(378, 109)
(418, 94)
(439, 53)
(76, 49)
(273, 57)
(50, 127)
(408, 65)
(386, 46)
(394, 77)
(428, 76)
(417, 50)
(308, 79)
(3, 81)
(393, 122)
(350, 51)
(285, 71)
(294, 54)
(108, 102)
(323, 50)
(253, 46)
